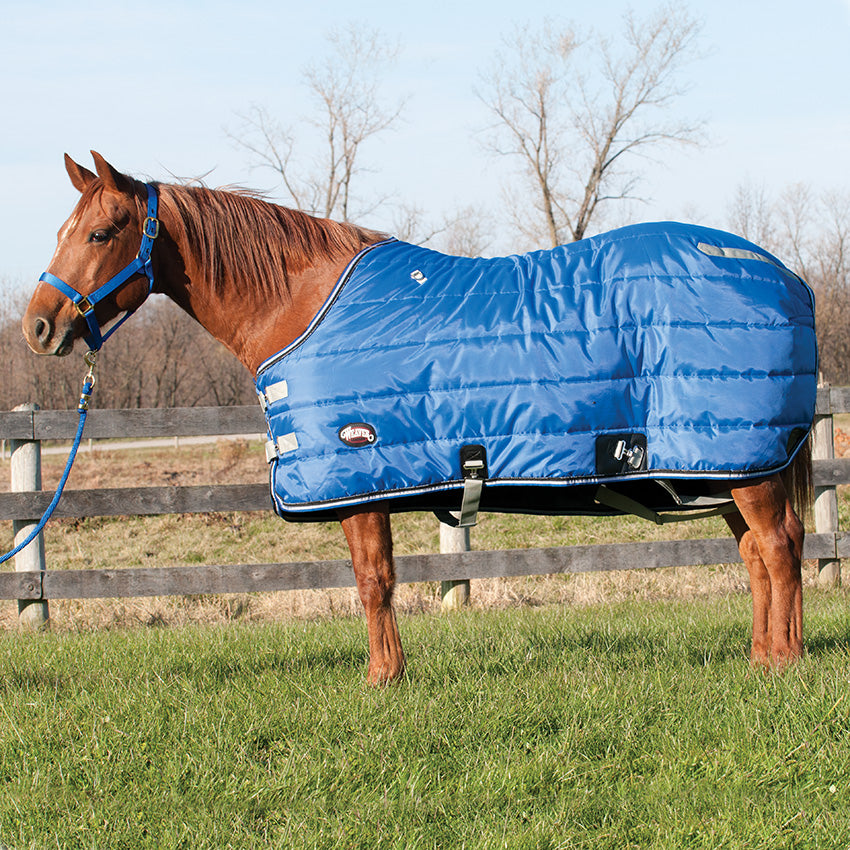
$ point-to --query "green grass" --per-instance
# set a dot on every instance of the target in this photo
(629, 725)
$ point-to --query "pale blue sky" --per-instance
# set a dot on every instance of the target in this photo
(152, 85)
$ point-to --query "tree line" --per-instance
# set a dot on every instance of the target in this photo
(160, 358)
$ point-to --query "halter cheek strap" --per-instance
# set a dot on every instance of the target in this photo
(85, 304)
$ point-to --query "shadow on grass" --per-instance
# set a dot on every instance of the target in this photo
(33, 680)
(822, 646)
(675, 648)
(238, 664)
(524, 643)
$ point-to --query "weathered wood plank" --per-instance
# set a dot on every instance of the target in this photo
(162, 581)
(192, 581)
(842, 544)
(139, 501)
(246, 578)
(828, 473)
(23, 585)
(147, 501)
(820, 546)
(567, 559)
(17, 425)
(839, 399)
(151, 422)
(832, 400)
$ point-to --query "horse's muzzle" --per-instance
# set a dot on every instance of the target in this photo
(43, 336)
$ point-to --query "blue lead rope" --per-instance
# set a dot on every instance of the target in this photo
(83, 408)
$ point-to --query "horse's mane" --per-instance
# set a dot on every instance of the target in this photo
(236, 234)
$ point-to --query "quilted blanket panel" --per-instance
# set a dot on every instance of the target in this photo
(695, 346)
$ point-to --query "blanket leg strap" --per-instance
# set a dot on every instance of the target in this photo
(611, 499)
(473, 466)
(471, 499)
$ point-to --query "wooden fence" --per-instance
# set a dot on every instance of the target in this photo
(32, 584)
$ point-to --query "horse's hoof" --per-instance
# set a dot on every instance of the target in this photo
(378, 677)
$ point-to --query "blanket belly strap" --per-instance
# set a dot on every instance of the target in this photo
(626, 505)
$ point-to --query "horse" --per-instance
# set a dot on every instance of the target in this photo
(256, 275)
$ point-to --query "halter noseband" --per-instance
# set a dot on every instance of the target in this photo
(85, 304)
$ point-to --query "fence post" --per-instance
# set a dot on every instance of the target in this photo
(25, 469)
(826, 500)
(455, 594)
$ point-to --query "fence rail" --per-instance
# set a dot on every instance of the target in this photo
(28, 428)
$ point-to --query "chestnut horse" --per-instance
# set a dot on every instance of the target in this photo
(254, 274)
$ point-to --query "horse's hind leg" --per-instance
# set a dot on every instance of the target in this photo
(770, 539)
(759, 585)
(370, 542)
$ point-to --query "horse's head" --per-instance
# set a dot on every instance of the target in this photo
(95, 245)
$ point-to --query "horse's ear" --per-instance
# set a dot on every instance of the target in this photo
(111, 177)
(80, 177)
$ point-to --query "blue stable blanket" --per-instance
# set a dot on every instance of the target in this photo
(656, 351)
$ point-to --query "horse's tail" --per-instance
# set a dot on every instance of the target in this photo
(798, 480)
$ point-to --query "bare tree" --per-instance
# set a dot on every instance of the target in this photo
(816, 231)
(467, 234)
(346, 89)
(576, 112)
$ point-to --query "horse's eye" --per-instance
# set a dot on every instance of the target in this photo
(99, 236)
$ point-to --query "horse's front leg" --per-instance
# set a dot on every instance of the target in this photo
(370, 541)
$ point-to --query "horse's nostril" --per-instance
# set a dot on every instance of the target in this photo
(42, 329)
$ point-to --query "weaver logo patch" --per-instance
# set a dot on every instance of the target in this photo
(357, 434)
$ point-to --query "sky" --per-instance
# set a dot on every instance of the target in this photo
(156, 87)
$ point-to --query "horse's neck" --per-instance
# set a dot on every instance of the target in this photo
(251, 324)
(254, 326)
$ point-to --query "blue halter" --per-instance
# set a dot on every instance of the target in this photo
(85, 304)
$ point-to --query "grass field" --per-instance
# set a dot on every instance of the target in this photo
(636, 724)
(607, 711)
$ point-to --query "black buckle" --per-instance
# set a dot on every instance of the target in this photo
(473, 462)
